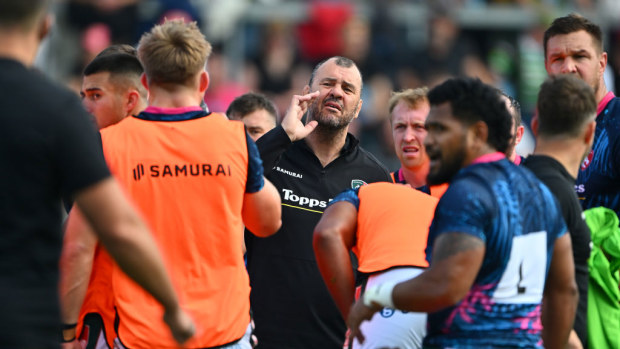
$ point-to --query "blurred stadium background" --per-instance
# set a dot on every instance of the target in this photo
(270, 46)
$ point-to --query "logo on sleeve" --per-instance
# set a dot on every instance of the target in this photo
(356, 183)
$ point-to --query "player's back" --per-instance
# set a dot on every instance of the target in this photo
(517, 217)
(188, 177)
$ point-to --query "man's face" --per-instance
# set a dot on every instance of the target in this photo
(575, 53)
(102, 100)
(339, 99)
(445, 144)
(258, 123)
(409, 134)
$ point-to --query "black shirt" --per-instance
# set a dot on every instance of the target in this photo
(48, 148)
(291, 305)
(554, 175)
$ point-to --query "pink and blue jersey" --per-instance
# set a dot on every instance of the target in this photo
(518, 219)
(598, 182)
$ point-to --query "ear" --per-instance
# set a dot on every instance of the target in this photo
(519, 135)
(480, 132)
(589, 133)
(144, 81)
(133, 98)
(204, 82)
(305, 90)
(534, 125)
(602, 63)
(45, 26)
(359, 108)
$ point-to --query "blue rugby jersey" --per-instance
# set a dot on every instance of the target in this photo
(518, 219)
(598, 181)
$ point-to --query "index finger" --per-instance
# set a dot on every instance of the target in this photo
(309, 96)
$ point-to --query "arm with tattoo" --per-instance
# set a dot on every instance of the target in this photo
(457, 258)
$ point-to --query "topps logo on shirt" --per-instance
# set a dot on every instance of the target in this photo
(302, 200)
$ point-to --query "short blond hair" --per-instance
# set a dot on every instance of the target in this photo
(413, 98)
(173, 52)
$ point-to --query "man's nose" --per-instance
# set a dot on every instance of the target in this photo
(409, 134)
(336, 91)
(569, 66)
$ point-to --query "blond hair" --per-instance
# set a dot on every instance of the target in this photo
(173, 52)
(413, 98)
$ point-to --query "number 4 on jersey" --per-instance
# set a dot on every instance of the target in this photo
(523, 280)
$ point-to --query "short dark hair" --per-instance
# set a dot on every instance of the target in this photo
(574, 22)
(21, 13)
(515, 106)
(340, 61)
(471, 101)
(117, 60)
(565, 105)
(248, 103)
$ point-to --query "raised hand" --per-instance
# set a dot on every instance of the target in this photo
(292, 124)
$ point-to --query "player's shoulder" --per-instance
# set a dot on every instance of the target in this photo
(372, 163)
(613, 108)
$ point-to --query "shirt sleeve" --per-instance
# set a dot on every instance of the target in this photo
(466, 207)
(349, 195)
(255, 180)
(271, 146)
(77, 147)
(616, 154)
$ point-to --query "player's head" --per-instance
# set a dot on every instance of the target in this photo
(174, 55)
(566, 107)
(574, 45)
(516, 131)
(111, 87)
(22, 14)
(408, 112)
(574, 23)
(256, 111)
(339, 83)
(467, 119)
(27, 21)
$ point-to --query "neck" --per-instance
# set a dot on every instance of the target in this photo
(326, 145)
(601, 92)
(18, 46)
(567, 153)
(475, 155)
(140, 106)
(416, 177)
(178, 98)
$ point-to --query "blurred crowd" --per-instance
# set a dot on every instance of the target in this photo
(269, 46)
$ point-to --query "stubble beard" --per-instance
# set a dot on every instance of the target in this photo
(448, 167)
(329, 124)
